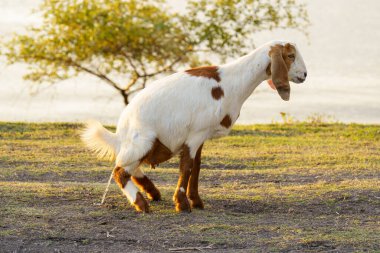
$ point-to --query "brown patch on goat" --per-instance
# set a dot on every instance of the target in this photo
(181, 202)
(210, 72)
(217, 93)
(289, 50)
(286, 50)
(159, 153)
(141, 204)
(192, 188)
(269, 73)
(226, 121)
(281, 59)
(146, 185)
(186, 164)
(121, 177)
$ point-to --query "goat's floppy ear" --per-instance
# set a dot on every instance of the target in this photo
(279, 72)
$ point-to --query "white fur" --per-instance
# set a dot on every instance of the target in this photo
(181, 189)
(179, 109)
(130, 190)
(100, 140)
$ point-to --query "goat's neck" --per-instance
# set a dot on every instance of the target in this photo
(246, 73)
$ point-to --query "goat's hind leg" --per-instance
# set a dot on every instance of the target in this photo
(144, 183)
(123, 179)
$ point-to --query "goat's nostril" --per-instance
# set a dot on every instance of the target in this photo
(305, 74)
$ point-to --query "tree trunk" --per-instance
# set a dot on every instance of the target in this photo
(125, 96)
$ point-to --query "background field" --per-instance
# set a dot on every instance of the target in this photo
(279, 187)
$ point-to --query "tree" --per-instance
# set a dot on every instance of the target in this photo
(127, 42)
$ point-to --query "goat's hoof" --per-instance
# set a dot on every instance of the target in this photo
(197, 203)
(141, 204)
(154, 195)
(182, 203)
(183, 206)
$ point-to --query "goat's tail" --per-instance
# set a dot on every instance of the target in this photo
(99, 140)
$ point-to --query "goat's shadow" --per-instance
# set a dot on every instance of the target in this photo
(314, 207)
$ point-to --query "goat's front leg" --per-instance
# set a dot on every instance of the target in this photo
(123, 179)
(186, 164)
(192, 188)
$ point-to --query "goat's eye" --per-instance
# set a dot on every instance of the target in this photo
(291, 56)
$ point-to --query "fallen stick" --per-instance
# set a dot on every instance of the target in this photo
(107, 187)
(192, 248)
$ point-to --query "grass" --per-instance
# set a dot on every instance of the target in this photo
(281, 187)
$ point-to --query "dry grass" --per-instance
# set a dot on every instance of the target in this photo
(280, 187)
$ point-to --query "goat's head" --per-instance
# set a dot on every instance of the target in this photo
(286, 65)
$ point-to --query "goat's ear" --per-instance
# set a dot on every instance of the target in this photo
(279, 72)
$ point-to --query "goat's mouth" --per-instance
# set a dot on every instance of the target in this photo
(298, 80)
(301, 80)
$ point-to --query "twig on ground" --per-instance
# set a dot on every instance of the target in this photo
(109, 234)
(106, 190)
(192, 248)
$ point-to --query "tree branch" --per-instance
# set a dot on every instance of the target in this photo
(97, 73)
(74, 64)
(170, 66)
(130, 62)
(136, 90)
(131, 83)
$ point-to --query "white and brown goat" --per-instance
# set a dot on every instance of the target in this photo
(177, 114)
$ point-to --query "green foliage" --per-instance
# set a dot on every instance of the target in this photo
(138, 40)
(225, 26)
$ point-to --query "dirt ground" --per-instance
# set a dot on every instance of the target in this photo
(265, 188)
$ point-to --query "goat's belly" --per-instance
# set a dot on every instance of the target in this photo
(219, 134)
(173, 139)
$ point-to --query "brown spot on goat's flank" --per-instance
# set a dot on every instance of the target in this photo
(226, 121)
(217, 93)
(159, 153)
(121, 177)
(206, 71)
(146, 185)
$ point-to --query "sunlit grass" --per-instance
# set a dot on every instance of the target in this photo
(265, 187)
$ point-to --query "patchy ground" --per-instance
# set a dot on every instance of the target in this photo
(278, 188)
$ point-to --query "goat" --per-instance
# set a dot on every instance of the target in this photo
(178, 113)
